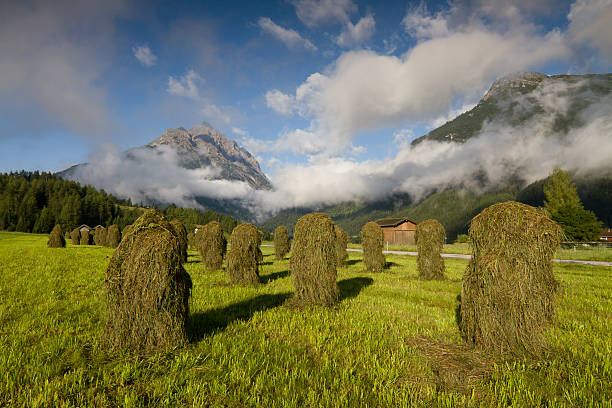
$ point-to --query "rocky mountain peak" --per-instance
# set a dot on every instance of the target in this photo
(203, 146)
(521, 79)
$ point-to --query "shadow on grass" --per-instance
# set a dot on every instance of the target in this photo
(390, 264)
(266, 263)
(352, 261)
(204, 323)
(273, 276)
(350, 288)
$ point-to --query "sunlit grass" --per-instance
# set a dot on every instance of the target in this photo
(392, 341)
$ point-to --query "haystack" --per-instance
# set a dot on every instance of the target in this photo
(242, 258)
(99, 236)
(86, 237)
(75, 236)
(211, 245)
(372, 240)
(429, 238)
(281, 242)
(113, 236)
(56, 238)
(313, 261)
(508, 291)
(181, 232)
(147, 289)
(342, 239)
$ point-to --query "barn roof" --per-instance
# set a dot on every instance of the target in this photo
(393, 222)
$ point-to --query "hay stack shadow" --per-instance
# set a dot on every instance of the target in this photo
(273, 276)
(350, 288)
(204, 323)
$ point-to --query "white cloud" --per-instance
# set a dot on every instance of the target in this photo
(354, 35)
(240, 132)
(52, 64)
(421, 25)
(288, 37)
(450, 115)
(364, 91)
(280, 102)
(144, 54)
(315, 12)
(590, 26)
(185, 85)
(213, 113)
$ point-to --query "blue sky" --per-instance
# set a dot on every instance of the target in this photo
(297, 82)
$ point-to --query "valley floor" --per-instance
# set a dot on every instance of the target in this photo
(392, 341)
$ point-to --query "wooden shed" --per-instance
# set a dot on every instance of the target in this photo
(398, 231)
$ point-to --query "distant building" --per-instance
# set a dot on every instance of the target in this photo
(398, 231)
(606, 235)
(85, 227)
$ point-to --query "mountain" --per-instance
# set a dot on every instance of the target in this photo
(513, 101)
(517, 98)
(199, 147)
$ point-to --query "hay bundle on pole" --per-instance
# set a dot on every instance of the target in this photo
(508, 291)
(372, 240)
(67, 235)
(281, 242)
(313, 261)
(147, 289)
(113, 236)
(56, 238)
(243, 255)
(181, 232)
(342, 239)
(99, 236)
(429, 238)
(75, 236)
(86, 238)
(211, 245)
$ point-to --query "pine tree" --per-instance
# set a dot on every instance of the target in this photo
(564, 206)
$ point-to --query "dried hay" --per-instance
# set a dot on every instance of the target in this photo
(99, 236)
(372, 240)
(181, 232)
(75, 236)
(244, 254)
(313, 261)
(113, 236)
(86, 238)
(429, 238)
(508, 291)
(147, 289)
(342, 239)
(282, 245)
(56, 238)
(211, 245)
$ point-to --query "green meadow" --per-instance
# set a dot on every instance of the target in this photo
(391, 342)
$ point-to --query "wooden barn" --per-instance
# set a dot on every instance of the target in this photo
(398, 231)
(606, 235)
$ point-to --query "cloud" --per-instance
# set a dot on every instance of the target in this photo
(288, 37)
(53, 61)
(144, 55)
(185, 85)
(363, 91)
(530, 151)
(280, 102)
(213, 113)
(421, 25)
(316, 12)
(240, 132)
(589, 26)
(354, 35)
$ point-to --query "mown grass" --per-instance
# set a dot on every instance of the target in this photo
(392, 341)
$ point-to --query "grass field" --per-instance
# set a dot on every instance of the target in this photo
(391, 342)
(585, 253)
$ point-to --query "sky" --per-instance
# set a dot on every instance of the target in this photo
(310, 87)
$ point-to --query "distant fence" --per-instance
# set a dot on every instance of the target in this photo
(588, 244)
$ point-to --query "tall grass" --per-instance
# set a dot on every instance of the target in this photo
(392, 340)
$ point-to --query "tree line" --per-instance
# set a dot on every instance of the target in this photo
(37, 201)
